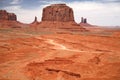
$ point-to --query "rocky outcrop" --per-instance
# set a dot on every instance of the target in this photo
(35, 21)
(88, 26)
(58, 17)
(58, 12)
(9, 20)
(66, 72)
(83, 20)
(4, 15)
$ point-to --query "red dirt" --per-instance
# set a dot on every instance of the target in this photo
(26, 56)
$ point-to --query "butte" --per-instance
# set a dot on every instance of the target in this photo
(58, 17)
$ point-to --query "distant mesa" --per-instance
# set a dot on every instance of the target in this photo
(58, 16)
(4, 15)
(88, 26)
(58, 12)
(84, 22)
(9, 20)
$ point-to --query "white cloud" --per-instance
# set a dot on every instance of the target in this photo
(51, 2)
(110, 0)
(27, 16)
(15, 2)
(12, 8)
(97, 13)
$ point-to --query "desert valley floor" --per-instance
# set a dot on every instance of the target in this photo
(59, 56)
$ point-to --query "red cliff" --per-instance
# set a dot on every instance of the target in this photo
(58, 17)
(58, 12)
(4, 15)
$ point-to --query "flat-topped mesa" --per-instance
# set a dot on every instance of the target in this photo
(58, 12)
(9, 20)
(4, 15)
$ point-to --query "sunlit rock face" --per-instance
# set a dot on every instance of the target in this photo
(4, 15)
(9, 20)
(58, 12)
(58, 16)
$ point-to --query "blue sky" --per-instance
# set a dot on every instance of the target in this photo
(98, 12)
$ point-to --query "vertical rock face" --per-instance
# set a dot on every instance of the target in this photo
(9, 20)
(58, 12)
(58, 17)
(4, 15)
(35, 21)
(12, 16)
(83, 20)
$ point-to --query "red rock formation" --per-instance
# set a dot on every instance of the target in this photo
(58, 17)
(88, 26)
(58, 12)
(12, 17)
(83, 20)
(9, 20)
(35, 21)
(4, 15)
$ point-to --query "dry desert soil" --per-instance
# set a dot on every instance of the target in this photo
(59, 56)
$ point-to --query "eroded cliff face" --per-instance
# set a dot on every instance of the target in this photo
(58, 12)
(9, 20)
(4, 15)
(58, 17)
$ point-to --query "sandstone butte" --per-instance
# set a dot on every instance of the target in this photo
(4, 15)
(9, 20)
(58, 12)
(58, 16)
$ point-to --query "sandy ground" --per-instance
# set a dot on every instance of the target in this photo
(26, 56)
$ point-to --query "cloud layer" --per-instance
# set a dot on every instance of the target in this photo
(97, 13)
